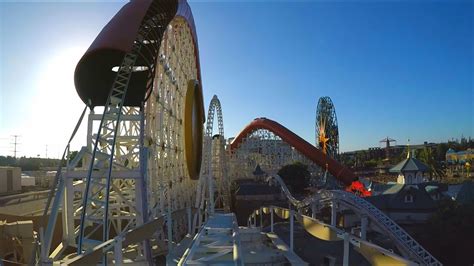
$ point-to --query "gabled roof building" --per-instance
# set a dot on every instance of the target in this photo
(410, 200)
(410, 170)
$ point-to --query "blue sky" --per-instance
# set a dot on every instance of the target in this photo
(402, 69)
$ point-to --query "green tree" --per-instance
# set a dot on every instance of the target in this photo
(427, 156)
(447, 232)
(441, 150)
(370, 163)
(29, 164)
(8, 161)
(296, 176)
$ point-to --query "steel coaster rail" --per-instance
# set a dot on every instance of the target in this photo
(222, 183)
(96, 195)
(398, 234)
(50, 222)
(133, 236)
(59, 172)
(96, 191)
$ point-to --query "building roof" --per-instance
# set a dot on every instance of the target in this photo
(394, 199)
(466, 193)
(450, 150)
(258, 171)
(394, 189)
(409, 164)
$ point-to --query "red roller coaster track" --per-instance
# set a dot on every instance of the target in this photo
(338, 170)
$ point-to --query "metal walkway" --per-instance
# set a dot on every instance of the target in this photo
(221, 241)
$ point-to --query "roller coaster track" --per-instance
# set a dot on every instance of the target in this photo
(97, 187)
(338, 170)
(402, 239)
(140, 69)
(217, 156)
(143, 73)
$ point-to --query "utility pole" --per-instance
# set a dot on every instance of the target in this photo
(15, 144)
(46, 151)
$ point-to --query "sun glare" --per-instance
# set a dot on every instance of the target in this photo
(54, 105)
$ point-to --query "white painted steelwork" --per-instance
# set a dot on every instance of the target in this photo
(214, 176)
(221, 242)
(139, 168)
(373, 253)
(217, 242)
(408, 246)
(262, 147)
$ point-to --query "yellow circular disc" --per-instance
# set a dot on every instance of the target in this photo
(193, 128)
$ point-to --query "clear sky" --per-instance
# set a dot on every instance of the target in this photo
(402, 69)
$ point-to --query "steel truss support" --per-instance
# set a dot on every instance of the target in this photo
(408, 246)
(214, 164)
(134, 168)
(127, 200)
(262, 147)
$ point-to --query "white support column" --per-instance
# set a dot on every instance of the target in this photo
(169, 226)
(313, 210)
(271, 219)
(43, 252)
(291, 229)
(363, 227)
(138, 201)
(118, 256)
(199, 218)
(90, 125)
(211, 193)
(190, 229)
(333, 213)
(345, 261)
(68, 212)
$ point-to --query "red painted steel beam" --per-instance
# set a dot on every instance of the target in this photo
(93, 76)
(338, 170)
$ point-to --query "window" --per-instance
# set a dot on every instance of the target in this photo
(408, 198)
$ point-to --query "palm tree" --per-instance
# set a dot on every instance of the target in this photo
(426, 155)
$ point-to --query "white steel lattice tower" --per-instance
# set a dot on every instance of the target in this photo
(136, 166)
(214, 176)
(262, 147)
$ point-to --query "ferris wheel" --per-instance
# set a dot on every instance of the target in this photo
(327, 132)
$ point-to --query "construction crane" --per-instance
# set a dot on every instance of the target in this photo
(387, 142)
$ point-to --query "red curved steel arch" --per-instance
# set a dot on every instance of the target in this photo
(93, 76)
(338, 170)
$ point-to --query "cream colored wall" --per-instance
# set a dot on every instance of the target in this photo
(16, 185)
(401, 179)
